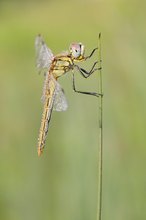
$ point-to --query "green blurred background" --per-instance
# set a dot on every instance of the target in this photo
(62, 184)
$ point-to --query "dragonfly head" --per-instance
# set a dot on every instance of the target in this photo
(77, 51)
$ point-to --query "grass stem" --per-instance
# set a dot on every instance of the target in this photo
(100, 147)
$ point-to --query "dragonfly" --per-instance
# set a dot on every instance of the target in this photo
(53, 67)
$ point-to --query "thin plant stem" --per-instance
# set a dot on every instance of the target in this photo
(100, 146)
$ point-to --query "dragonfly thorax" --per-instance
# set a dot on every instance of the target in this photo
(77, 51)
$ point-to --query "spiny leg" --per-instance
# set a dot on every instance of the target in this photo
(82, 92)
(84, 72)
(91, 53)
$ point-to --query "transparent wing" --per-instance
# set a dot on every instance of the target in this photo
(59, 99)
(60, 102)
(44, 55)
(49, 83)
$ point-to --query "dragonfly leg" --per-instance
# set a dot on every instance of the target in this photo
(85, 73)
(82, 92)
(91, 53)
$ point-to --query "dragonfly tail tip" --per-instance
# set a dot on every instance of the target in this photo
(39, 152)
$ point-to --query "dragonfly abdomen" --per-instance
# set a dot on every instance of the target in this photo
(46, 116)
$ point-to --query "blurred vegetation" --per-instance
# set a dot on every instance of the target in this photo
(62, 184)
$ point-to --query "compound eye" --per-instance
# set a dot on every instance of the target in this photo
(75, 50)
(82, 49)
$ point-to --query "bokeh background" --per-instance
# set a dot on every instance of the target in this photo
(62, 184)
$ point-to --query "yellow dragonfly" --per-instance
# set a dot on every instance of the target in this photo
(53, 67)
